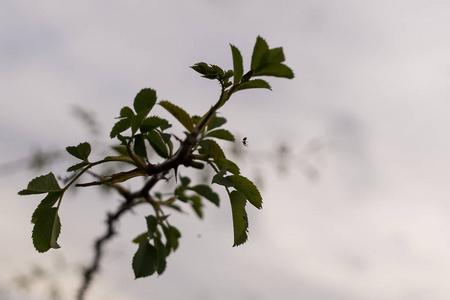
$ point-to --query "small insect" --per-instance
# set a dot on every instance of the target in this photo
(245, 142)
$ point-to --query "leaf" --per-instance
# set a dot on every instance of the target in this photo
(45, 204)
(172, 235)
(228, 164)
(157, 144)
(180, 114)
(275, 69)
(142, 237)
(240, 220)
(211, 147)
(274, 55)
(216, 122)
(151, 123)
(139, 146)
(161, 256)
(81, 151)
(144, 260)
(254, 84)
(196, 203)
(126, 112)
(205, 191)
(42, 184)
(246, 187)
(237, 64)
(77, 166)
(221, 180)
(259, 51)
(46, 229)
(136, 122)
(120, 126)
(221, 134)
(152, 223)
(145, 100)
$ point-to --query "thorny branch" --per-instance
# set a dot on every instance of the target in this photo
(131, 200)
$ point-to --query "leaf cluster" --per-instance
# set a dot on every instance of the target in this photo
(139, 137)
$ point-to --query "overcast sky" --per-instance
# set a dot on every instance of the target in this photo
(367, 111)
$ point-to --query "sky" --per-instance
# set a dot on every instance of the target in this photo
(362, 209)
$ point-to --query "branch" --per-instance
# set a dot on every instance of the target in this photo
(111, 222)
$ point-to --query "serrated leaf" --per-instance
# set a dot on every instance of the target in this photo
(81, 151)
(42, 184)
(139, 146)
(240, 220)
(45, 204)
(216, 122)
(151, 123)
(136, 122)
(212, 148)
(142, 237)
(274, 55)
(275, 69)
(237, 64)
(259, 51)
(222, 134)
(120, 126)
(161, 256)
(77, 166)
(180, 114)
(144, 260)
(245, 186)
(228, 164)
(254, 84)
(152, 223)
(172, 235)
(126, 112)
(145, 100)
(46, 230)
(205, 191)
(220, 179)
(157, 144)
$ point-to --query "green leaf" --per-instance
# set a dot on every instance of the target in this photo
(145, 100)
(120, 126)
(274, 55)
(254, 84)
(152, 223)
(216, 122)
(275, 69)
(142, 237)
(221, 134)
(136, 122)
(151, 123)
(157, 144)
(172, 235)
(185, 180)
(144, 260)
(46, 229)
(126, 112)
(246, 187)
(205, 191)
(139, 146)
(228, 164)
(42, 184)
(237, 64)
(212, 148)
(161, 256)
(180, 114)
(220, 179)
(196, 203)
(77, 166)
(45, 204)
(240, 220)
(259, 51)
(81, 151)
